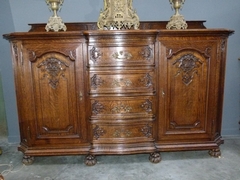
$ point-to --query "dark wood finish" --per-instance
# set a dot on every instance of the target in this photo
(122, 86)
(49, 77)
(119, 92)
(191, 92)
(144, 25)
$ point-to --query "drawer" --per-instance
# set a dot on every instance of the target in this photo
(114, 133)
(122, 81)
(123, 107)
(121, 56)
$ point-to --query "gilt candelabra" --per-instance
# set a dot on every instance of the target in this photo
(55, 22)
(177, 20)
(118, 14)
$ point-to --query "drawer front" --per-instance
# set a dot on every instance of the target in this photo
(125, 82)
(114, 133)
(124, 107)
(108, 55)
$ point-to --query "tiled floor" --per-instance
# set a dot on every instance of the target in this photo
(194, 165)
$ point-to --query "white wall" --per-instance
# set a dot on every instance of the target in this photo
(6, 25)
(217, 13)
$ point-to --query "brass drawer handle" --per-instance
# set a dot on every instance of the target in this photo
(80, 96)
(163, 93)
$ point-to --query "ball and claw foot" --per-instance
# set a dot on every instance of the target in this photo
(27, 160)
(155, 157)
(90, 160)
(215, 153)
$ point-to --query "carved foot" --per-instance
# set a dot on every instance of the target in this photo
(90, 160)
(27, 160)
(215, 152)
(155, 157)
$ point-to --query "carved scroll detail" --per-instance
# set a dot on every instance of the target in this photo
(187, 66)
(73, 55)
(98, 132)
(53, 69)
(223, 45)
(95, 54)
(222, 49)
(15, 50)
(207, 52)
(32, 55)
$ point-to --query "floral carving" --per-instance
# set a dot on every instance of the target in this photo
(97, 132)
(187, 66)
(53, 69)
(121, 108)
(96, 81)
(147, 105)
(121, 132)
(147, 130)
(146, 52)
(147, 80)
(97, 107)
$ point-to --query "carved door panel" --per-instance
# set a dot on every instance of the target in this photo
(55, 80)
(187, 108)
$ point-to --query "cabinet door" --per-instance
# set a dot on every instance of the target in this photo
(188, 89)
(51, 97)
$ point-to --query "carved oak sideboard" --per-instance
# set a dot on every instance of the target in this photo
(94, 92)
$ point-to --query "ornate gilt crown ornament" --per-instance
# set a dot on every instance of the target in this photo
(55, 22)
(177, 20)
(118, 14)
